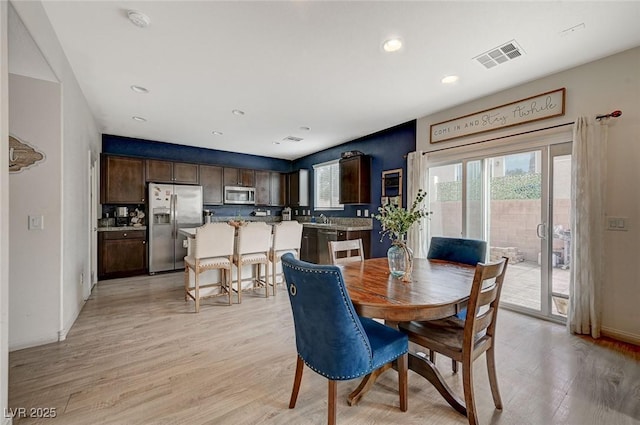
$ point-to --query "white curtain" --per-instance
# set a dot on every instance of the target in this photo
(588, 178)
(417, 179)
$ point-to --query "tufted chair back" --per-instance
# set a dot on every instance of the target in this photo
(329, 335)
(213, 240)
(458, 250)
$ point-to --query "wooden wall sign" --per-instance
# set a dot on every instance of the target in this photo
(22, 155)
(542, 106)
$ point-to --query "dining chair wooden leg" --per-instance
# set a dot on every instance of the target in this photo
(197, 290)
(432, 356)
(227, 281)
(493, 379)
(333, 401)
(296, 382)
(266, 278)
(454, 366)
(239, 284)
(403, 367)
(273, 274)
(467, 387)
(186, 282)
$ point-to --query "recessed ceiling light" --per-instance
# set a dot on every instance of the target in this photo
(139, 89)
(276, 143)
(305, 128)
(217, 133)
(392, 45)
(450, 79)
(139, 119)
(138, 19)
(237, 112)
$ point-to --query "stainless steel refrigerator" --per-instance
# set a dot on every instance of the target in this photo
(171, 207)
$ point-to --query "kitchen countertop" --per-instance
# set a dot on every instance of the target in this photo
(339, 227)
(121, 228)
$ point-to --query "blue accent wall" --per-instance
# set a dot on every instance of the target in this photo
(118, 145)
(388, 150)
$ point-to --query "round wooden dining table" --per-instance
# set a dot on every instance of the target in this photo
(437, 289)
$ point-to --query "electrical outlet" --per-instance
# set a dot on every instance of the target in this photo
(358, 213)
(366, 213)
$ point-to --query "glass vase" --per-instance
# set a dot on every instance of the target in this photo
(400, 260)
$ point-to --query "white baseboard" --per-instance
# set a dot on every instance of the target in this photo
(20, 345)
(621, 335)
(62, 333)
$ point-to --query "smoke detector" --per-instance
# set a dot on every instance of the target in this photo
(138, 19)
(499, 55)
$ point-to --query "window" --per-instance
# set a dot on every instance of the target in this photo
(326, 185)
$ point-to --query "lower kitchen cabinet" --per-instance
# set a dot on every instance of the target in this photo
(122, 253)
(309, 245)
(315, 243)
(350, 235)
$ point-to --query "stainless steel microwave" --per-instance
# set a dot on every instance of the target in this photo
(239, 195)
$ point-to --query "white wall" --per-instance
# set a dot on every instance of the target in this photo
(79, 136)
(4, 213)
(35, 256)
(596, 88)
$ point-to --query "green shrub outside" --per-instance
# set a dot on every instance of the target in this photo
(517, 186)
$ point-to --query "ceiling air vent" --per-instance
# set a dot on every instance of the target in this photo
(499, 55)
(292, 139)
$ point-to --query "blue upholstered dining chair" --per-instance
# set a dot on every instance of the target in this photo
(331, 338)
(458, 250)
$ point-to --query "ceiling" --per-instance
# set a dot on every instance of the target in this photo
(320, 65)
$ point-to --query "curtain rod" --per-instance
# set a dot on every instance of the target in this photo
(614, 114)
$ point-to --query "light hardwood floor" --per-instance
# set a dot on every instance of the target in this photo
(139, 355)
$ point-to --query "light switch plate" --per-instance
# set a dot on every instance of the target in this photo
(36, 222)
(617, 224)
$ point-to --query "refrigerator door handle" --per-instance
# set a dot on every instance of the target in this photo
(173, 216)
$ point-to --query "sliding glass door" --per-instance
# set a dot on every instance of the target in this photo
(518, 201)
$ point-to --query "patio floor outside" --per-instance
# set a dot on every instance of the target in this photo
(522, 285)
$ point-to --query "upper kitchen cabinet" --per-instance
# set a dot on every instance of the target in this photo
(121, 180)
(299, 188)
(238, 177)
(278, 188)
(212, 184)
(271, 188)
(263, 190)
(171, 172)
(355, 180)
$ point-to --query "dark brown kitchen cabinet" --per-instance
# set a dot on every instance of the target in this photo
(121, 180)
(263, 187)
(238, 177)
(299, 188)
(270, 188)
(355, 180)
(309, 245)
(365, 235)
(212, 184)
(278, 189)
(159, 171)
(122, 253)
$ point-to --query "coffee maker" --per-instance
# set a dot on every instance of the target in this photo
(122, 216)
(286, 214)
